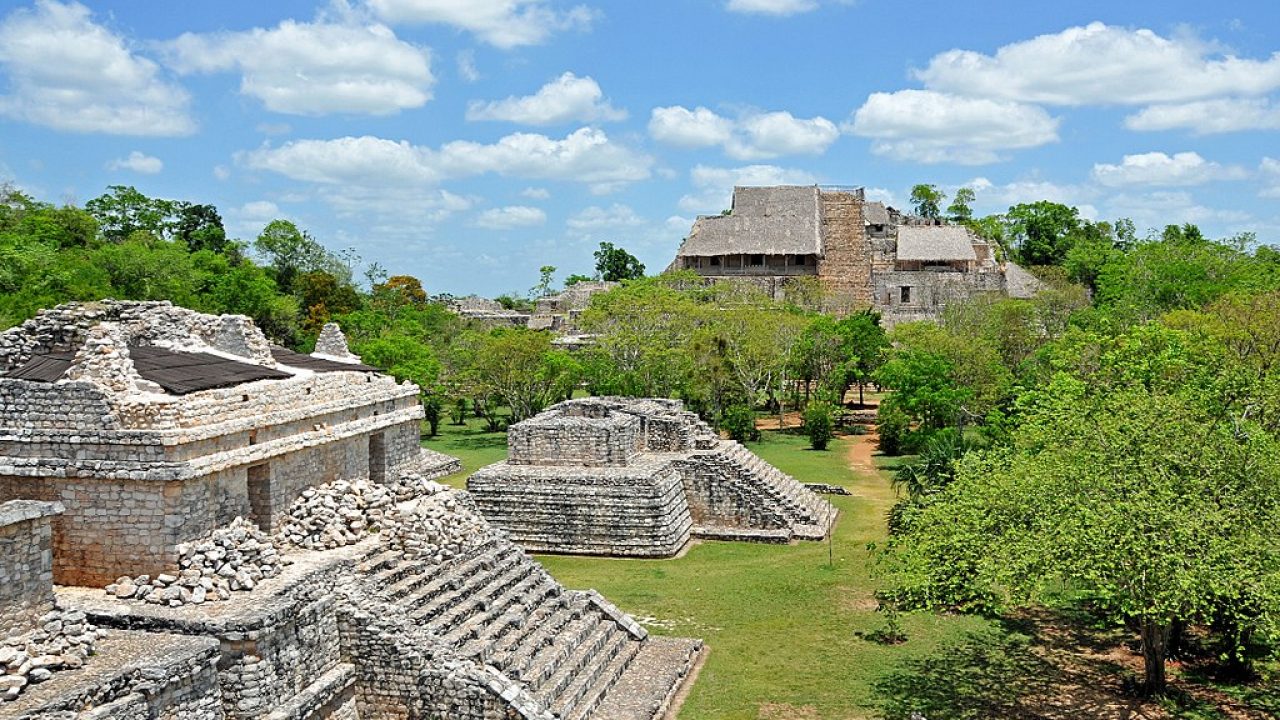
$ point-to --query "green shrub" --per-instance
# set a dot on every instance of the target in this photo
(740, 422)
(458, 413)
(894, 426)
(818, 425)
(431, 407)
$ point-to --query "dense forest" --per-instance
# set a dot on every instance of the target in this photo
(1114, 441)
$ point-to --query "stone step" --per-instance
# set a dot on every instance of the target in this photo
(476, 593)
(412, 576)
(515, 652)
(530, 591)
(585, 695)
(450, 586)
(603, 642)
(549, 655)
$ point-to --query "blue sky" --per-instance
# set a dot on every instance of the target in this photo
(469, 142)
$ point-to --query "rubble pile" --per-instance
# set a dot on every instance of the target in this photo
(440, 526)
(234, 558)
(337, 514)
(63, 640)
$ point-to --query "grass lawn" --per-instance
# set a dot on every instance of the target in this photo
(785, 626)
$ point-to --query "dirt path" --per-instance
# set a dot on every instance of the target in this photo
(861, 454)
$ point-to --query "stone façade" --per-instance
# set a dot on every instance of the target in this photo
(637, 477)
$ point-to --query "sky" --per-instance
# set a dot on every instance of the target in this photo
(470, 142)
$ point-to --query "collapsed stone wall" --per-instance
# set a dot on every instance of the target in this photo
(931, 292)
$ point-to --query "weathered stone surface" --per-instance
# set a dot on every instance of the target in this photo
(637, 477)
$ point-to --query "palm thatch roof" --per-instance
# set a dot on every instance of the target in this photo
(780, 220)
(942, 243)
(875, 213)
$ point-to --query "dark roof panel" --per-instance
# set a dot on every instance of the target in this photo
(285, 356)
(47, 367)
(183, 372)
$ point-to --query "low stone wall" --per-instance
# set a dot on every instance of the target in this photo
(26, 564)
(636, 511)
(561, 438)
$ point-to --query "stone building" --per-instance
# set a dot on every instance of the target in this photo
(866, 254)
(637, 477)
(154, 424)
(147, 422)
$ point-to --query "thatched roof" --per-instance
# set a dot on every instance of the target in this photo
(935, 243)
(780, 220)
(875, 213)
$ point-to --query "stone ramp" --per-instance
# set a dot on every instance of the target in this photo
(561, 652)
(742, 497)
(663, 662)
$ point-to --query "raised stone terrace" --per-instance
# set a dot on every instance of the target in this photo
(153, 425)
(165, 436)
(638, 477)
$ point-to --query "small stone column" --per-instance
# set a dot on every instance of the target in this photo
(26, 563)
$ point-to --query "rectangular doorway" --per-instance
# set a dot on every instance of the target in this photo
(377, 458)
(259, 486)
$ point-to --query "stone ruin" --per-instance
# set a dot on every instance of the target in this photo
(638, 477)
(272, 544)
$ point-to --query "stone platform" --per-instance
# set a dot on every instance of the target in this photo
(638, 478)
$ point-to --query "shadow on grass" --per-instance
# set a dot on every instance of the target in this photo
(981, 675)
(479, 441)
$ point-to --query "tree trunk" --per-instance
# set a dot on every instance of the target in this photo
(861, 403)
(1155, 640)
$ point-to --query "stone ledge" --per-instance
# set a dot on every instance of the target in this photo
(16, 511)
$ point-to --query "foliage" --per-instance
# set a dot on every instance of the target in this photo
(893, 425)
(926, 201)
(1041, 232)
(576, 278)
(512, 367)
(1139, 478)
(961, 208)
(546, 281)
(819, 425)
(614, 263)
(740, 422)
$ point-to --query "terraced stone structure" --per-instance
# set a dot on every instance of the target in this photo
(154, 424)
(436, 616)
(638, 477)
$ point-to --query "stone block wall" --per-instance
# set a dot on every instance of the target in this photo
(637, 511)
(559, 438)
(930, 292)
(26, 564)
(845, 267)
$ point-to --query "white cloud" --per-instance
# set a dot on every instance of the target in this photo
(1101, 64)
(274, 128)
(503, 23)
(512, 216)
(999, 197)
(315, 68)
(1157, 168)
(769, 135)
(771, 7)
(568, 98)
(586, 155)
(467, 66)
(1158, 209)
(1208, 117)
(753, 136)
(138, 162)
(250, 218)
(1270, 170)
(882, 195)
(365, 161)
(535, 193)
(593, 219)
(931, 127)
(682, 127)
(713, 186)
(221, 172)
(68, 73)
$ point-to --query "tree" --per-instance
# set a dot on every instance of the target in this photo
(516, 367)
(1042, 232)
(123, 211)
(291, 252)
(961, 208)
(200, 228)
(818, 424)
(926, 201)
(864, 344)
(1137, 475)
(546, 278)
(614, 263)
(576, 278)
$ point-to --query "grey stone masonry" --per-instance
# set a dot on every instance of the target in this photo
(378, 631)
(26, 563)
(141, 470)
(637, 477)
